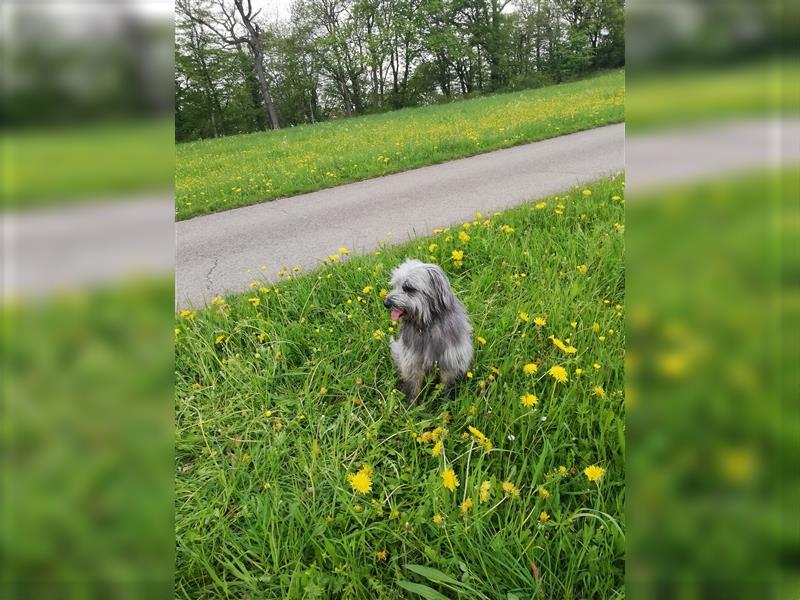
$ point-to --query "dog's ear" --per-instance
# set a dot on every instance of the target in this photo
(443, 297)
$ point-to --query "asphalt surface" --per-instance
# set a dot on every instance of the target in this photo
(79, 246)
(225, 251)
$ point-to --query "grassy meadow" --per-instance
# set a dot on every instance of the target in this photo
(302, 472)
(214, 175)
(49, 167)
(700, 96)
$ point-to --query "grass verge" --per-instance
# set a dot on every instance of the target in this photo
(50, 167)
(214, 175)
(759, 89)
(284, 393)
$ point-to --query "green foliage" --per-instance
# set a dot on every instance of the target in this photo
(283, 392)
(355, 57)
(87, 444)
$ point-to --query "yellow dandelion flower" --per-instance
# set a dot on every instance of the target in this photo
(481, 340)
(598, 391)
(469, 375)
(383, 293)
(594, 472)
(541, 205)
(616, 198)
(458, 255)
(558, 373)
(582, 268)
(562, 346)
(523, 316)
(382, 555)
(437, 448)
(562, 470)
(449, 480)
(463, 236)
(528, 400)
(218, 340)
(544, 493)
(507, 229)
(361, 481)
(485, 491)
(530, 368)
(367, 289)
(482, 440)
(578, 371)
(466, 505)
(510, 489)
(597, 365)
(543, 516)
(438, 519)
(587, 192)
(254, 301)
(433, 247)
(596, 327)
(344, 251)
(540, 321)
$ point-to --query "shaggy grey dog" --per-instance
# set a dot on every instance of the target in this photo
(434, 327)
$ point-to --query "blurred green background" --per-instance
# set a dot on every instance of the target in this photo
(710, 375)
(87, 428)
(711, 364)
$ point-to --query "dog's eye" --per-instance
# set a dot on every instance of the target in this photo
(408, 289)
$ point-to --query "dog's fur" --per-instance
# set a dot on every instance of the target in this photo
(434, 331)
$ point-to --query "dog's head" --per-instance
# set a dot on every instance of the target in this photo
(420, 292)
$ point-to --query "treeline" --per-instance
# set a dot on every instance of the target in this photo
(236, 72)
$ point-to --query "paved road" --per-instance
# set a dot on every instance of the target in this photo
(85, 245)
(706, 151)
(223, 252)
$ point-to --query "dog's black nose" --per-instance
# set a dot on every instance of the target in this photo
(387, 304)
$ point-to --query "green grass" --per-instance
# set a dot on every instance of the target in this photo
(712, 380)
(87, 391)
(761, 89)
(47, 167)
(214, 175)
(276, 403)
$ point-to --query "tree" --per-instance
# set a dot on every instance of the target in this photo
(236, 71)
(227, 29)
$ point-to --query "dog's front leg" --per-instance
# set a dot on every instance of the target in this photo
(411, 386)
(450, 381)
(412, 375)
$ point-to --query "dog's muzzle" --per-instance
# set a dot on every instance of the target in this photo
(396, 312)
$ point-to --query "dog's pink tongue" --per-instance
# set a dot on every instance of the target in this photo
(396, 314)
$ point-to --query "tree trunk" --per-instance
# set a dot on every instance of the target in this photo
(258, 61)
(254, 43)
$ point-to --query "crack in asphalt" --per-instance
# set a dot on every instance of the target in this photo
(209, 283)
